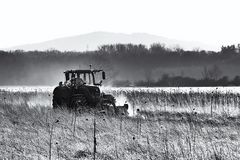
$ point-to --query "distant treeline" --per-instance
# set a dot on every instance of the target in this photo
(178, 81)
(122, 62)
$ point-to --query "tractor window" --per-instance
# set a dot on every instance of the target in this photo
(78, 75)
(73, 76)
(89, 79)
(67, 76)
(98, 78)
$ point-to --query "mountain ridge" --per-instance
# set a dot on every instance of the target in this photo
(91, 41)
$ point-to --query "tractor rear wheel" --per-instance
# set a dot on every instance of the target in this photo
(59, 103)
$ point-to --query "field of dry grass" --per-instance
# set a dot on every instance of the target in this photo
(171, 126)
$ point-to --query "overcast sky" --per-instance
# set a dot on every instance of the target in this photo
(208, 21)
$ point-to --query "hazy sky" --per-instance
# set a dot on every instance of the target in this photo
(209, 21)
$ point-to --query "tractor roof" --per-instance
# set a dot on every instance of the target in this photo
(83, 71)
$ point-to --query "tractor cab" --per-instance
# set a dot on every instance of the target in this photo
(86, 77)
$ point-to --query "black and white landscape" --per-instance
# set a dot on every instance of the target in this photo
(124, 80)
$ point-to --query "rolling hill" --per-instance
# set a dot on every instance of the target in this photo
(91, 41)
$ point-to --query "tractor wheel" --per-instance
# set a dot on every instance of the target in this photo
(108, 107)
(59, 103)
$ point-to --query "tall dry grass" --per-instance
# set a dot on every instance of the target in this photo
(38, 132)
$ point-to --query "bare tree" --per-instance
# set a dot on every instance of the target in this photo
(212, 73)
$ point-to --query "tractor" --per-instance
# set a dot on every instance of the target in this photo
(81, 93)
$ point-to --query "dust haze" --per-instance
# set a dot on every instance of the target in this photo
(122, 63)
